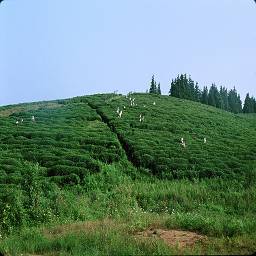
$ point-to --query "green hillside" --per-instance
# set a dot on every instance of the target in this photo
(66, 140)
(69, 136)
(155, 143)
(78, 160)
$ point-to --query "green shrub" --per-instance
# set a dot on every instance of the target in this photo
(12, 213)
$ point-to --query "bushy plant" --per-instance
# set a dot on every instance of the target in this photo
(12, 213)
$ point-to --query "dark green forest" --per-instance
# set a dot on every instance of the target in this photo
(185, 88)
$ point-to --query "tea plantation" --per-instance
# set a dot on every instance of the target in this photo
(82, 176)
(68, 140)
(155, 142)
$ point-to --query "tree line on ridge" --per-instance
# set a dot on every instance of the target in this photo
(185, 88)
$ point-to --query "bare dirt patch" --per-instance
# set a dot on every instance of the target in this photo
(173, 238)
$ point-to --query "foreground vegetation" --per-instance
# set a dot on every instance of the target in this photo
(222, 210)
(96, 201)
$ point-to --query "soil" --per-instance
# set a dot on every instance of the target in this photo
(173, 238)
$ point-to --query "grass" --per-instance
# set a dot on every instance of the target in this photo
(102, 240)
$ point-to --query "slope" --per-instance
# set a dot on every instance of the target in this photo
(69, 165)
(66, 139)
(155, 142)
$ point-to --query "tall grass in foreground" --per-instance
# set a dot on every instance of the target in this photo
(223, 210)
(105, 240)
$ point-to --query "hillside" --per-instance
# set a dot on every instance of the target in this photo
(155, 143)
(78, 160)
(65, 139)
(68, 136)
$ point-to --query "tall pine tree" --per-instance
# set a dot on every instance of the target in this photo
(197, 93)
(191, 94)
(234, 101)
(159, 89)
(214, 96)
(173, 89)
(204, 98)
(153, 88)
(249, 104)
(224, 98)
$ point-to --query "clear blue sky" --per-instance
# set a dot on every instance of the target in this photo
(51, 49)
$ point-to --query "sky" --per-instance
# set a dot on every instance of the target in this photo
(54, 49)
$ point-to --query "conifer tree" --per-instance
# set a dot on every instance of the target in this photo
(159, 89)
(249, 104)
(183, 87)
(153, 88)
(246, 108)
(197, 93)
(224, 98)
(191, 94)
(204, 98)
(173, 89)
(234, 101)
(214, 97)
